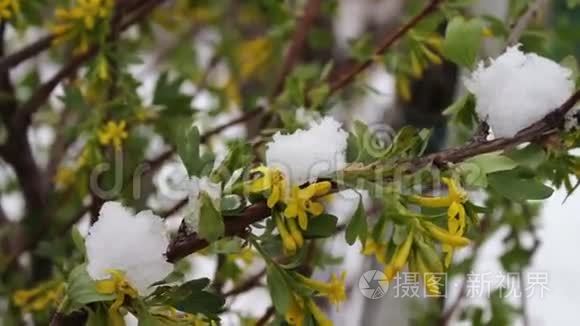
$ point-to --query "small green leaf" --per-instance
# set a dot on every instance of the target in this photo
(279, 289)
(231, 203)
(211, 223)
(487, 163)
(510, 185)
(78, 240)
(187, 143)
(462, 41)
(357, 228)
(321, 226)
(82, 289)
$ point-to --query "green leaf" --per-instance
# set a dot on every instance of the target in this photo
(231, 203)
(187, 140)
(167, 94)
(190, 297)
(279, 289)
(97, 317)
(357, 227)
(479, 167)
(82, 289)
(512, 186)
(211, 223)
(531, 156)
(457, 106)
(321, 226)
(78, 240)
(462, 41)
(572, 3)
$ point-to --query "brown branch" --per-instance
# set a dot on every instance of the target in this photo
(549, 124)
(267, 315)
(247, 285)
(184, 245)
(311, 12)
(389, 40)
(27, 52)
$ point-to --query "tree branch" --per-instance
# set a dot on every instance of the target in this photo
(311, 11)
(184, 245)
(549, 124)
(389, 40)
(524, 20)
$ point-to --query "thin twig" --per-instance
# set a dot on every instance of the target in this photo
(267, 315)
(524, 21)
(311, 11)
(247, 285)
(389, 40)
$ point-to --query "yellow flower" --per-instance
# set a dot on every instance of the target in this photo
(334, 290)
(456, 215)
(288, 241)
(295, 313)
(246, 255)
(377, 249)
(118, 285)
(41, 297)
(78, 22)
(271, 179)
(429, 278)
(64, 177)
(319, 316)
(302, 202)
(416, 68)
(178, 317)
(400, 257)
(113, 133)
(8, 8)
(404, 88)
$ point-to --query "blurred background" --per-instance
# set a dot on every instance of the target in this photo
(191, 43)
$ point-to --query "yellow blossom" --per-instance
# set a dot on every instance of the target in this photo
(288, 241)
(271, 180)
(78, 22)
(41, 297)
(429, 278)
(178, 317)
(319, 316)
(334, 290)
(64, 177)
(113, 133)
(456, 215)
(301, 202)
(374, 248)
(404, 88)
(400, 257)
(295, 313)
(8, 8)
(118, 285)
(416, 68)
